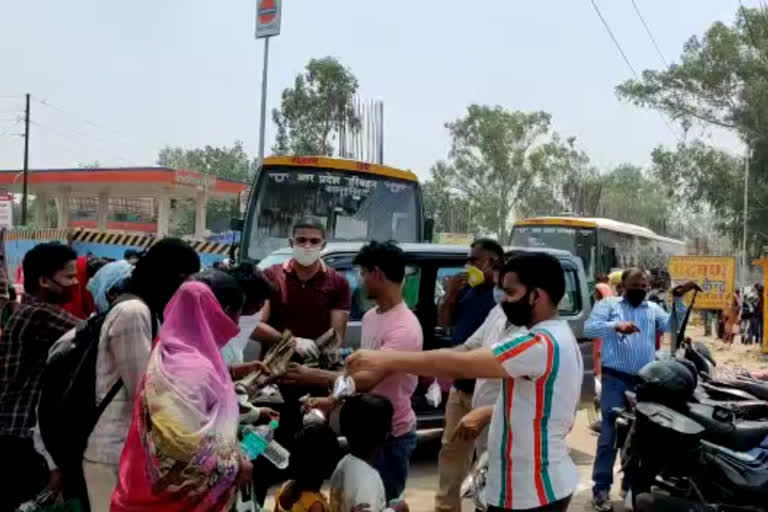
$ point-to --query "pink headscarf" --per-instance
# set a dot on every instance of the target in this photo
(182, 451)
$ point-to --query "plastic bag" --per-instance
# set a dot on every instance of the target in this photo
(344, 386)
(434, 394)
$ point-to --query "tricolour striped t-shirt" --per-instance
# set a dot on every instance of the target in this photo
(529, 464)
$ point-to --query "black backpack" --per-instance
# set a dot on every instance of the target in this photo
(67, 412)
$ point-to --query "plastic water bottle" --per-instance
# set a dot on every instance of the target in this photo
(260, 440)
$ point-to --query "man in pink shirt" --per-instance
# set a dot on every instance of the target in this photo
(390, 326)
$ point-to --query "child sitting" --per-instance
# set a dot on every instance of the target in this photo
(313, 458)
(366, 421)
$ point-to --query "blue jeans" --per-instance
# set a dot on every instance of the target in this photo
(392, 463)
(612, 388)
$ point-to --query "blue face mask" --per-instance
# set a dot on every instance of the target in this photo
(498, 294)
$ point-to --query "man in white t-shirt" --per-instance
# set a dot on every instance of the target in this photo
(473, 427)
(541, 372)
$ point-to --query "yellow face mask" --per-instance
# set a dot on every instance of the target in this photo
(475, 276)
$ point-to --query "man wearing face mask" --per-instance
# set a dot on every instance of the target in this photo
(541, 373)
(628, 329)
(469, 298)
(310, 297)
(50, 280)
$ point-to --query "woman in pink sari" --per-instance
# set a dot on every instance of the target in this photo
(182, 452)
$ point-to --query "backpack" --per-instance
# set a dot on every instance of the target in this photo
(67, 412)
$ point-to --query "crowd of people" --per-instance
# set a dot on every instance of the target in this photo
(169, 345)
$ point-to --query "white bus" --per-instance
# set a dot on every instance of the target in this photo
(602, 244)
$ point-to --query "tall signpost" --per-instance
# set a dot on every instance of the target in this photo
(267, 26)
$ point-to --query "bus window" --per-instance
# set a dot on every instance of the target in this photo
(353, 206)
(581, 242)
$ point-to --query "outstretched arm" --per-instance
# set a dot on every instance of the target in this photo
(444, 363)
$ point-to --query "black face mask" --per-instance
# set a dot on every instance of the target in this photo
(635, 296)
(519, 313)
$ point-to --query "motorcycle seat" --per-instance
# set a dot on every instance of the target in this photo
(722, 392)
(739, 436)
(743, 409)
(758, 389)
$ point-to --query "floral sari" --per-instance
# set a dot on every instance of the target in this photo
(182, 451)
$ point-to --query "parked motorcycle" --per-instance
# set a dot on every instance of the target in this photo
(697, 438)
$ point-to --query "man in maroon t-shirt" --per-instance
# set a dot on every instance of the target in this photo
(309, 298)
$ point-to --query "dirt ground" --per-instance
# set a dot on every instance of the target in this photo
(749, 357)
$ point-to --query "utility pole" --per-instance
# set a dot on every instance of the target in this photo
(26, 165)
(746, 199)
(263, 113)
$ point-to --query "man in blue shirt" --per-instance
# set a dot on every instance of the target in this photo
(628, 329)
(468, 300)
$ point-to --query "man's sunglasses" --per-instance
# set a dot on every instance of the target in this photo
(302, 240)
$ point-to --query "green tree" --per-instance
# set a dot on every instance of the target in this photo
(489, 163)
(312, 111)
(451, 212)
(225, 162)
(631, 194)
(566, 180)
(721, 80)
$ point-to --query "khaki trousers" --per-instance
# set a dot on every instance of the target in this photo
(101, 480)
(455, 455)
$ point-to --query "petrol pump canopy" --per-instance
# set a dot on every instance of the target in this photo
(121, 181)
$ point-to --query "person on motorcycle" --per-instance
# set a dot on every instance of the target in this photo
(628, 330)
(541, 372)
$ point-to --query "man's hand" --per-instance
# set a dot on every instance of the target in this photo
(456, 283)
(626, 328)
(306, 348)
(325, 404)
(56, 481)
(400, 506)
(245, 475)
(240, 371)
(299, 375)
(366, 360)
(267, 414)
(684, 288)
(473, 423)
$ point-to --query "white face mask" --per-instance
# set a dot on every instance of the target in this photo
(306, 256)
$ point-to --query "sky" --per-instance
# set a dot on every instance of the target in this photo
(114, 82)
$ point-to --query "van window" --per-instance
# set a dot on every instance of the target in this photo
(361, 303)
(570, 304)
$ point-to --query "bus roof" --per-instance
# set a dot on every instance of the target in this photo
(341, 164)
(597, 222)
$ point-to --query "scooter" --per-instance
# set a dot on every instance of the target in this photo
(703, 442)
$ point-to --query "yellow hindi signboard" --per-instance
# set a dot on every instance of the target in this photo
(715, 275)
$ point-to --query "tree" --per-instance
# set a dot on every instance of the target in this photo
(566, 180)
(489, 163)
(230, 163)
(450, 211)
(313, 110)
(705, 180)
(720, 81)
(630, 194)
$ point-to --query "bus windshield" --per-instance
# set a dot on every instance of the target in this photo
(580, 242)
(352, 205)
